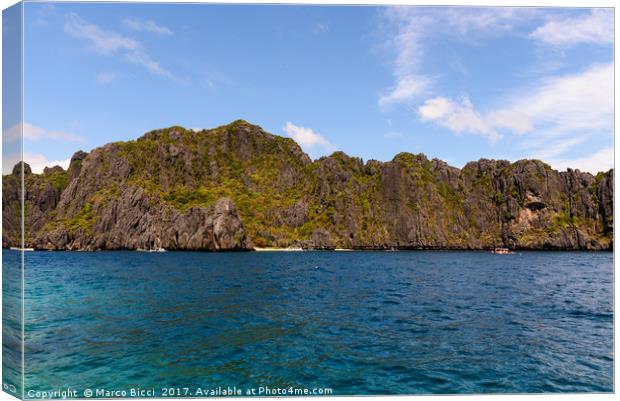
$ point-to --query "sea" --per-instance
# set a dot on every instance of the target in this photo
(310, 323)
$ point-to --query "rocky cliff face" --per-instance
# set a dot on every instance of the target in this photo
(236, 186)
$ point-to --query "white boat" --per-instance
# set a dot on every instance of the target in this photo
(151, 250)
(292, 249)
(502, 251)
(14, 248)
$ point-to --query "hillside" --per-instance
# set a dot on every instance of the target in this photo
(236, 186)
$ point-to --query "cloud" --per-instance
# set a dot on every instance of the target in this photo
(101, 41)
(405, 32)
(549, 117)
(601, 160)
(582, 101)
(484, 20)
(108, 43)
(406, 88)
(146, 26)
(44, 11)
(545, 118)
(307, 138)
(36, 161)
(104, 78)
(143, 59)
(552, 149)
(459, 117)
(411, 31)
(596, 27)
(34, 133)
(555, 105)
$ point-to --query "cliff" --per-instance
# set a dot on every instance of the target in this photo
(236, 186)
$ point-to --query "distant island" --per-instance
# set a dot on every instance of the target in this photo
(237, 187)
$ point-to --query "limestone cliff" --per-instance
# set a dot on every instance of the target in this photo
(236, 186)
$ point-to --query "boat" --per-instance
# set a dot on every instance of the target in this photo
(291, 249)
(152, 250)
(502, 251)
(14, 248)
(154, 247)
(294, 249)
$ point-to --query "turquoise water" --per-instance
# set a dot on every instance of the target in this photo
(11, 323)
(355, 322)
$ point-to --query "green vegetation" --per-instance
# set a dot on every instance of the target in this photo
(82, 221)
(58, 179)
(195, 169)
(183, 198)
(283, 197)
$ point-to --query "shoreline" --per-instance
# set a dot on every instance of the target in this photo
(288, 250)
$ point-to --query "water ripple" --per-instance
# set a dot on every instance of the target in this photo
(360, 323)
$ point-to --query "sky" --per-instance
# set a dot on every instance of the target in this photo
(458, 84)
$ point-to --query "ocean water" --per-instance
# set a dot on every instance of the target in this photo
(409, 322)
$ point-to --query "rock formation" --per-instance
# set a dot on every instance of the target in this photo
(236, 186)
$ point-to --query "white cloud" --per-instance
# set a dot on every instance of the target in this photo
(146, 26)
(36, 161)
(545, 119)
(484, 20)
(143, 59)
(569, 103)
(104, 78)
(406, 88)
(436, 109)
(549, 118)
(458, 117)
(107, 43)
(9, 161)
(307, 138)
(514, 120)
(405, 31)
(411, 31)
(13, 133)
(44, 12)
(601, 160)
(101, 41)
(547, 149)
(596, 27)
(34, 133)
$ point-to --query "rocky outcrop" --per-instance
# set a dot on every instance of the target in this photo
(75, 165)
(236, 186)
(134, 222)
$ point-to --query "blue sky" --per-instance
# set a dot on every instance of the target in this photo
(458, 84)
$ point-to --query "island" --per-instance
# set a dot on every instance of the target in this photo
(237, 187)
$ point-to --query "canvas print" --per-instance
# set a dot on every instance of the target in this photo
(209, 200)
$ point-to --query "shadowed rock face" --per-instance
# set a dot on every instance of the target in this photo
(236, 186)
